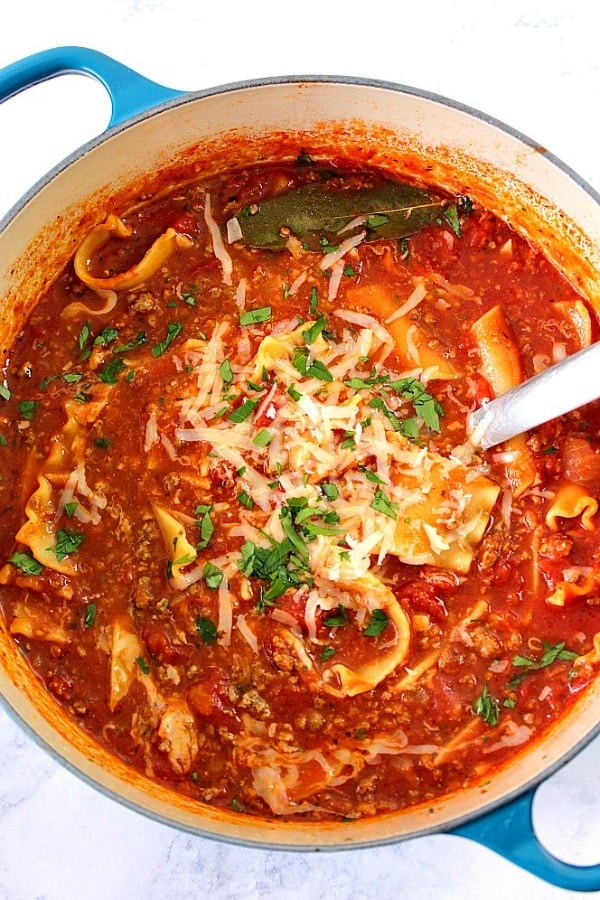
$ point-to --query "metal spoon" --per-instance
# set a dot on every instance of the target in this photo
(565, 386)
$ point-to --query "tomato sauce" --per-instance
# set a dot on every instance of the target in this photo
(193, 464)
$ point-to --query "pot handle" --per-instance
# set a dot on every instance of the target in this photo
(130, 93)
(508, 831)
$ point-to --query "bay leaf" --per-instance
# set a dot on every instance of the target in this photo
(315, 213)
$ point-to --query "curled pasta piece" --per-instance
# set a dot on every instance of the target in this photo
(78, 308)
(500, 358)
(181, 552)
(369, 593)
(38, 532)
(568, 590)
(501, 366)
(126, 649)
(39, 624)
(150, 263)
(289, 779)
(577, 313)
(520, 470)
(572, 500)
(368, 676)
(276, 350)
(592, 657)
(415, 347)
(178, 734)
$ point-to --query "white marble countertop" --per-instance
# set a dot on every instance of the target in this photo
(533, 64)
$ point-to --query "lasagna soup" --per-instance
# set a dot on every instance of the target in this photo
(248, 542)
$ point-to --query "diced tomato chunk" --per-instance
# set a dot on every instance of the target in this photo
(186, 223)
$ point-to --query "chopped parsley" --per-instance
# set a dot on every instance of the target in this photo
(331, 491)
(82, 340)
(339, 620)
(207, 630)
(245, 499)
(312, 333)
(552, 653)
(173, 330)
(111, 371)
(377, 623)
(26, 563)
(106, 336)
(212, 575)
(140, 339)
(284, 564)
(27, 409)
(67, 542)
(243, 411)
(426, 407)
(256, 316)
(143, 665)
(205, 524)
(487, 707)
(310, 368)
(371, 476)
(226, 372)
(90, 615)
(382, 503)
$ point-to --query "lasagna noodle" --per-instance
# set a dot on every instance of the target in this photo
(415, 348)
(140, 272)
(572, 500)
(502, 368)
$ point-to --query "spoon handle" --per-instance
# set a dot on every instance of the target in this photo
(569, 384)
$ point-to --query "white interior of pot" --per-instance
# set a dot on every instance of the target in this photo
(405, 132)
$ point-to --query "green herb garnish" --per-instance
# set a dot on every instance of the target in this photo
(377, 623)
(207, 630)
(173, 330)
(106, 336)
(143, 665)
(339, 620)
(243, 411)
(212, 575)
(382, 503)
(140, 339)
(310, 368)
(226, 372)
(67, 542)
(205, 524)
(262, 438)
(552, 653)
(255, 316)
(26, 563)
(487, 707)
(110, 373)
(27, 409)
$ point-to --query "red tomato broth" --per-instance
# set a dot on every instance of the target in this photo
(252, 709)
